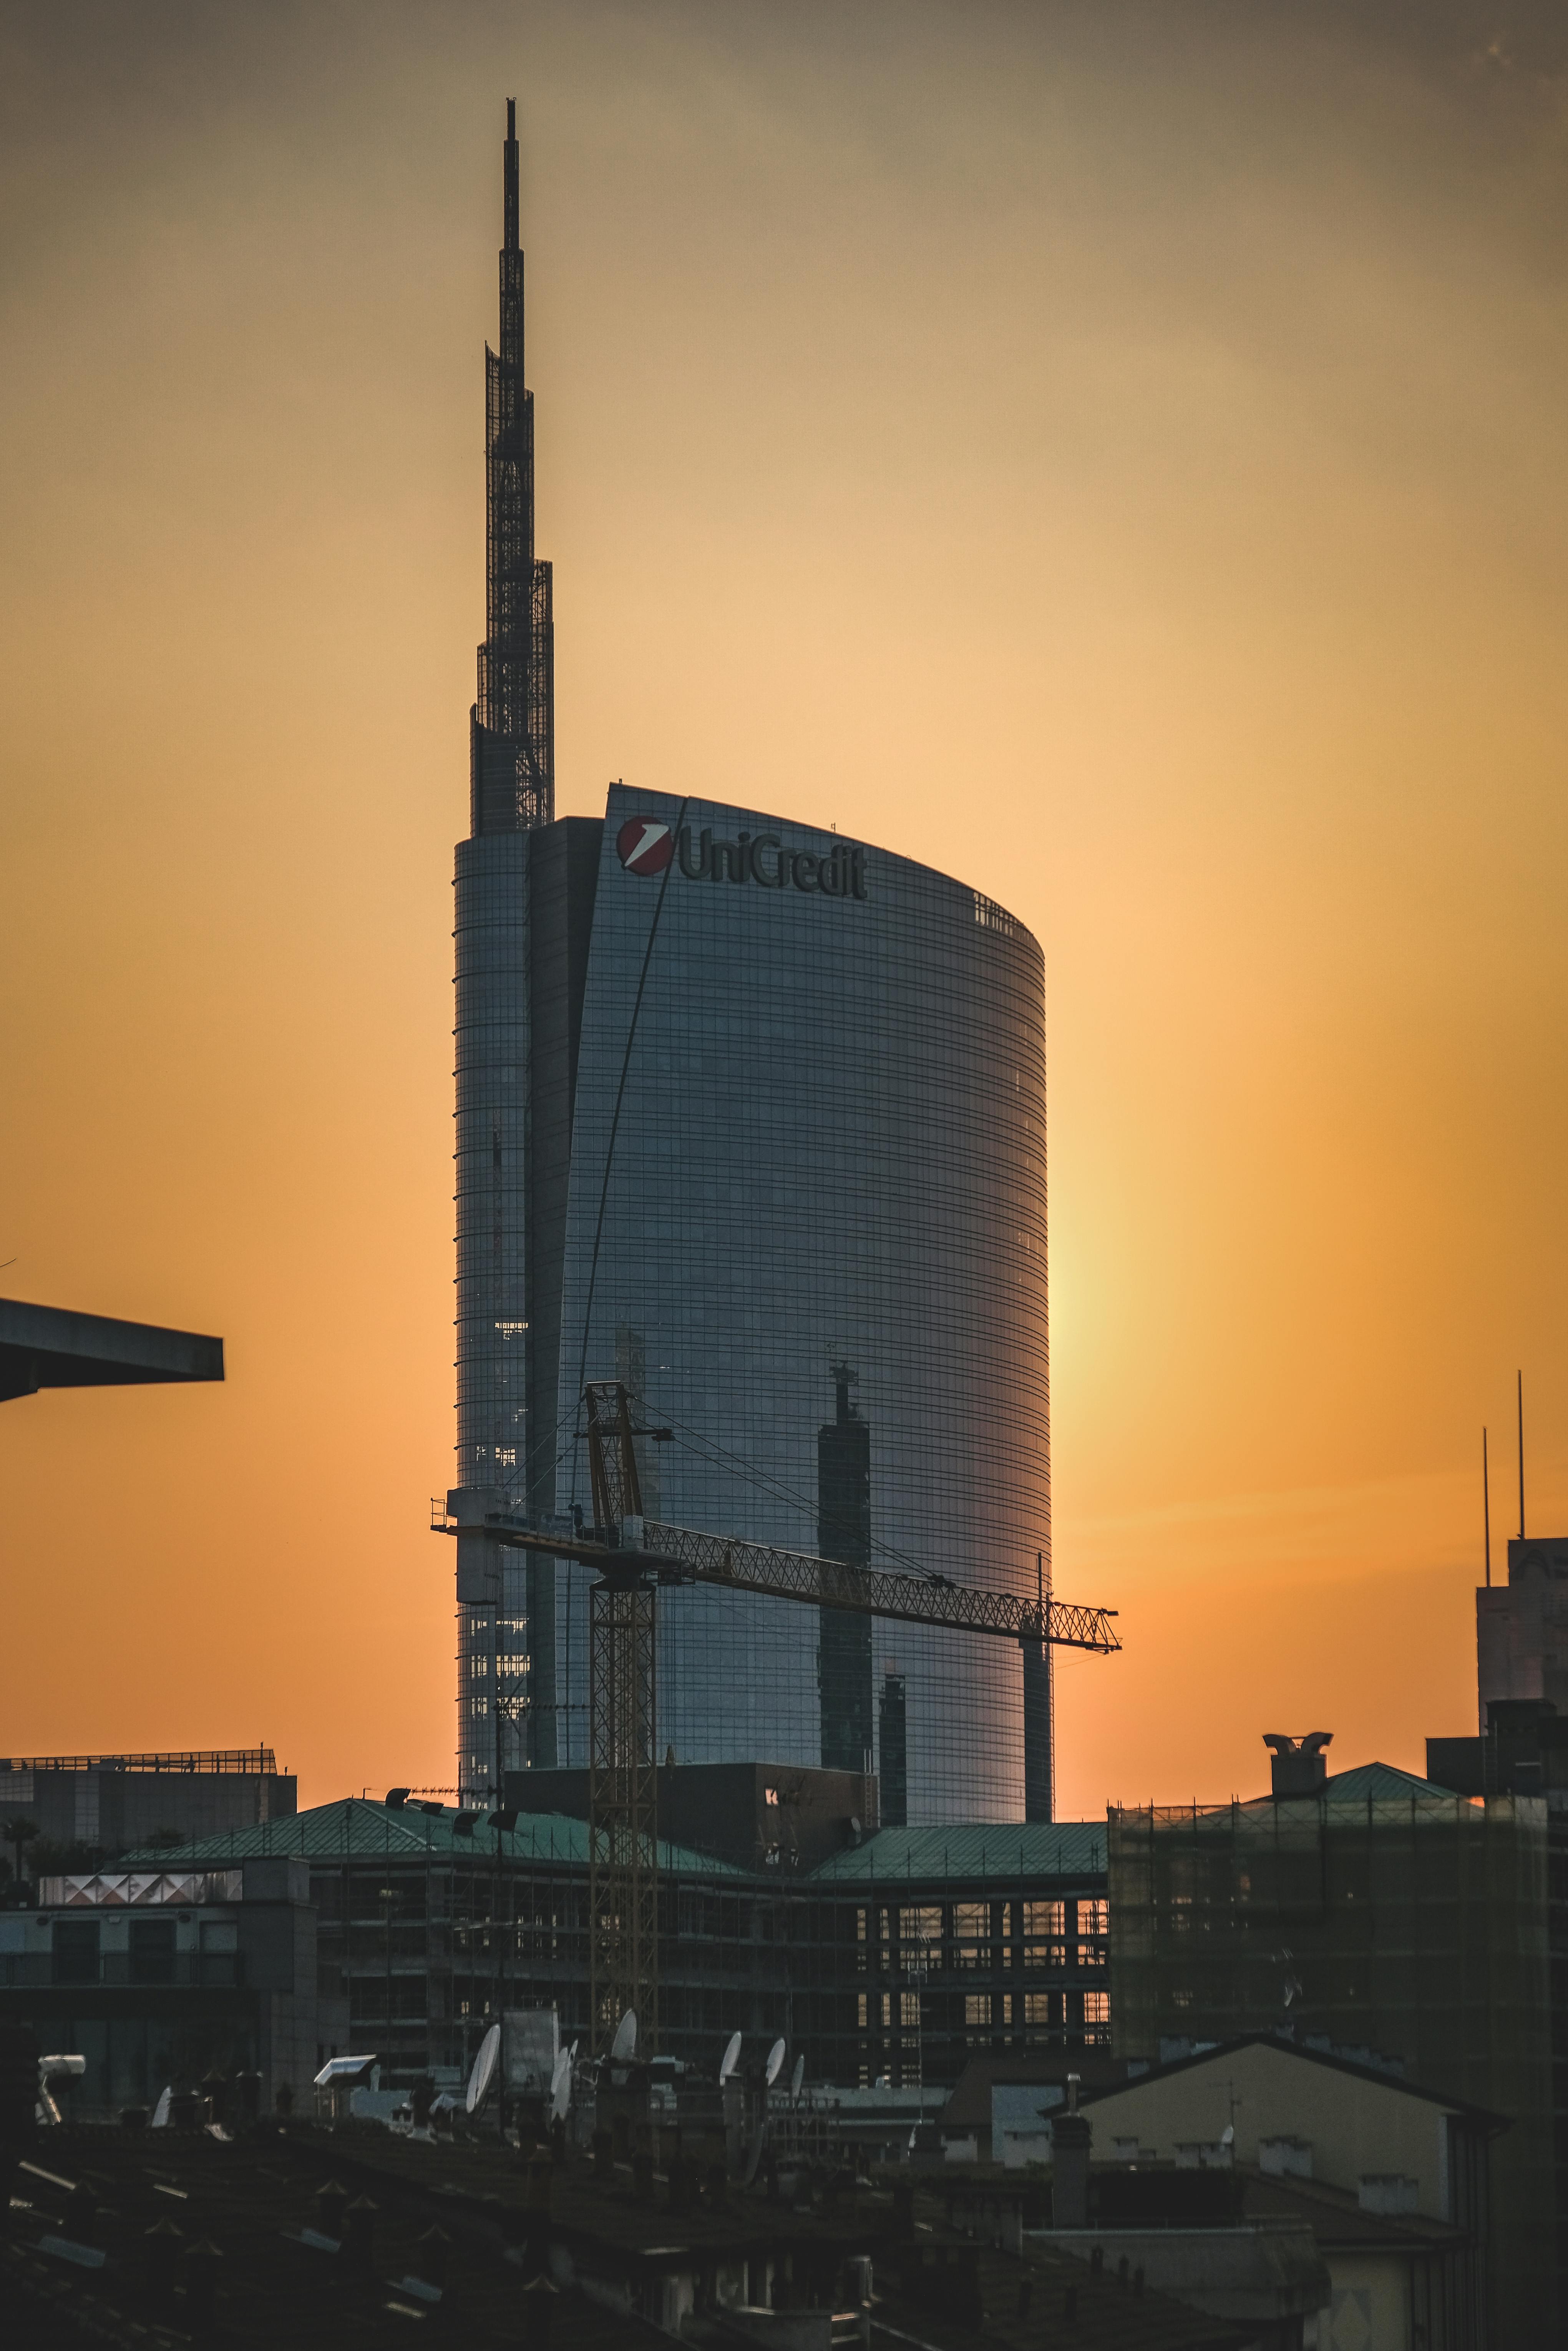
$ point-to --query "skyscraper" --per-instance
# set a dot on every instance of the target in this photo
(751, 1117)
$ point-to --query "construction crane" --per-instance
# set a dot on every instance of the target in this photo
(634, 1556)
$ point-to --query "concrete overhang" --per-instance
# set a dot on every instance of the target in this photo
(51, 1347)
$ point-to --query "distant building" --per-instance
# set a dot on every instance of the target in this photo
(100, 1806)
(751, 1117)
(1521, 1628)
(1380, 1912)
(762, 1816)
(894, 1960)
(160, 1977)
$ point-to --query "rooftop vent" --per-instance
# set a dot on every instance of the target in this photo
(1386, 2191)
(1301, 1767)
(1286, 2158)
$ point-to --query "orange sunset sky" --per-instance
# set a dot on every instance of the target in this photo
(1114, 453)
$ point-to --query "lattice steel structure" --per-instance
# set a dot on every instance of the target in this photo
(513, 721)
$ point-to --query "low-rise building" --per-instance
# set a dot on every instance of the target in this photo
(893, 1961)
(161, 1978)
(94, 1808)
(1375, 1912)
(1392, 2178)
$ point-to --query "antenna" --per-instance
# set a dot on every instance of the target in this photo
(731, 2058)
(1520, 1376)
(161, 2111)
(484, 2071)
(1486, 1507)
(509, 234)
(775, 2063)
(624, 2048)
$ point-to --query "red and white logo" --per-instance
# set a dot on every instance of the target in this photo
(643, 845)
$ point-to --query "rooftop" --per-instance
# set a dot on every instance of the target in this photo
(1002, 1852)
(356, 1828)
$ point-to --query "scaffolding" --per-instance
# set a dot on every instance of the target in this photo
(255, 1760)
(1407, 1929)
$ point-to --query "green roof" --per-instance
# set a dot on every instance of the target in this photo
(356, 1829)
(1379, 1781)
(988, 1850)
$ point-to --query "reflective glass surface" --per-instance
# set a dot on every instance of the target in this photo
(816, 1252)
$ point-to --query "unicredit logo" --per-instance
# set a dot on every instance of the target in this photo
(646, 846)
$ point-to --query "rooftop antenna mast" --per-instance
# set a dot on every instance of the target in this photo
(1486, 1507)
(1520, 1376)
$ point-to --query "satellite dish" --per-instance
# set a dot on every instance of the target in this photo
(775, 2061)
(730, 2060)
(560, 2085)
(624, 2048)
(1228, 2135)
(161, 2111)
(797, 2077)
(484, 2071)
(754, 2152)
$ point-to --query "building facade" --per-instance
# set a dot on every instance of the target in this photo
(1381, 1913)
(88, 1808)
(751, 1117)
(160, 1977)
(895, 1961)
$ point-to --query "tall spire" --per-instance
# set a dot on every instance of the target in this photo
(509, 201)
(512, 754)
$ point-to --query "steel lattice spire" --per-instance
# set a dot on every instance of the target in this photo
(512, 760)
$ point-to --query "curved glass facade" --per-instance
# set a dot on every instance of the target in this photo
(816, 1252)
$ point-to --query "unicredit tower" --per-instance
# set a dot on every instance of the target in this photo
(751, 1117)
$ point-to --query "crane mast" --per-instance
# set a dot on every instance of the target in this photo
(634, 1556)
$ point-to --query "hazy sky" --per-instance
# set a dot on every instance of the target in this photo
(1114, 453)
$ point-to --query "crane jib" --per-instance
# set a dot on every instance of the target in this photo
(680, 1556)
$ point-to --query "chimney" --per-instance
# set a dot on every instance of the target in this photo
(1070, 2141)
(1300, 1766)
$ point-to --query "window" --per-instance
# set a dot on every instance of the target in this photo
(861, 2004)
(1096, 2008)
(1042, 2008)
(977, 2008)
(770, 1795)
(220, 1944)
(1094, 1917)
(151, 1950)
(921, 1926)
(1092, 1955)
(972, 1934)
(1045, 1918)
(1045, 1955)
(887, 2008)
(76, 1950)
(909, 2008)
